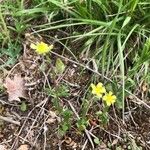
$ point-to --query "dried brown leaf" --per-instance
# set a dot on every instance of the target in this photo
(50, 120)
(70, 142)
(15, 88)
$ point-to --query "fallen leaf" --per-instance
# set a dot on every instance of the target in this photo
(23, 106)
(53, 118)
(60, 66)
(50, 120)
(23, 147)
(15, 88)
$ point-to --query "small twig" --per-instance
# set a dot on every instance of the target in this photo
(4, 102)
(84, 145)
(9, 73)
(86, 131)
(10, 120)
(24, 123)
(114, 135)
(71, 84)
(37, 116)
(130, 114)
(139, 100)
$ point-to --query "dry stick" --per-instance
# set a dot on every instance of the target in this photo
(16, 65)
(10, 120)
(86, 131)
(139, 100)
(84, 145)
(38, 115)
(42, 126)
(88, 68)
(38, 105)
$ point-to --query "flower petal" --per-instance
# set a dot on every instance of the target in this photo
(93, 86)
(104, 97)
(114, 98)
(108, 103)
(99, 95)
(103, 90)
(110, 93)
(99, 85)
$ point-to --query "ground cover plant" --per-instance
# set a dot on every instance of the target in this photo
(74, 74)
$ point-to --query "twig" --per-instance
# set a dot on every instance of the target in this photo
(86, 131)
(139, 100)
(16, 65)
(24, 123)
(84, 145)
(10, 120)
(37, 116)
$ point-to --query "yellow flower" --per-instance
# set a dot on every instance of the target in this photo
(98, 89)
(109, 98)
(41, 48)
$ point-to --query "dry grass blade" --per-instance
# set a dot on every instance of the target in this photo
(10, 120)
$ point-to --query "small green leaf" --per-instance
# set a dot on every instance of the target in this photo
(60, 66)
(65, 127)
(62, 91)
(23, 106)
(82, 124)
(97, 141)
(103, 117)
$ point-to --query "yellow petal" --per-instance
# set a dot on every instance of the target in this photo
(99, 85)
(114, 98)
(110, 93)
(108, 103)
(99, 95)
(42, 48)
(93, 87)
(104, 98)
(103, 90)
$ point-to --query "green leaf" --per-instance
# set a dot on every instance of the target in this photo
(67, 114)
(97, 141)
(23, 106)
(103, 117)
(60, 66)
(62, 91)
(65, 127)
(82, 124)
